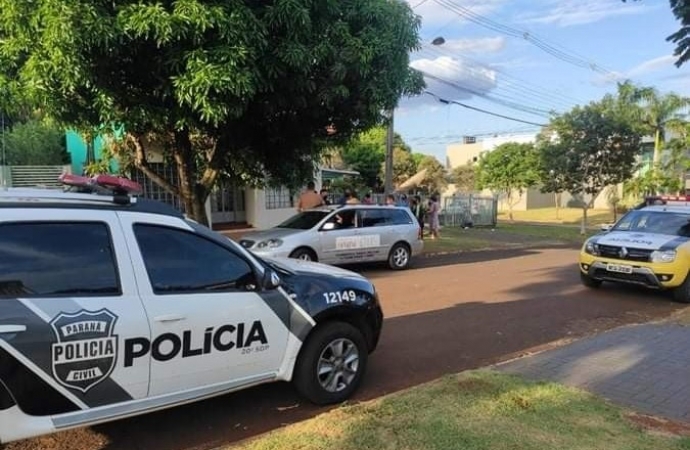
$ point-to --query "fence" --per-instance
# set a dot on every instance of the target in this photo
(32, 176)
(469, 210)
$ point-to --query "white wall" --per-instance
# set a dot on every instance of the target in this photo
(258, 216)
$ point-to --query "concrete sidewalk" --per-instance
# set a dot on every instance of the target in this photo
(644, 367)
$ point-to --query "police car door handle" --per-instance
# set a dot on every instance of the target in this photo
(7, 329)
(169, 318)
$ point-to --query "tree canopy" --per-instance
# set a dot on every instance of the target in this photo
(435, 180)
(35, 143)
(587, 149)
(249, 89)
(681, 9)
(464, 177)
(508, 169)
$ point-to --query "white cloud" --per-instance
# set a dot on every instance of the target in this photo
(579, 12)
(652, 65)
(644, 68)
(479, 45)
(451, 79)
(434, 14)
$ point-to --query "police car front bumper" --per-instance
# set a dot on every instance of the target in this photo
(643, 276)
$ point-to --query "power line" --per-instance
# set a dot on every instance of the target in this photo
(453, 102)
(537, 91)
(564, 55)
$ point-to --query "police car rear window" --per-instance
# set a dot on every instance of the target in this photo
(54, 259)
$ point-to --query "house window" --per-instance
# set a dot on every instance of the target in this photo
(278, 198)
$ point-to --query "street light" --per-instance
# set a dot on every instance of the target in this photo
(390, 135)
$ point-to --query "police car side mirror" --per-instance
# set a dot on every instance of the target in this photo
(271, 280)
(606, 226)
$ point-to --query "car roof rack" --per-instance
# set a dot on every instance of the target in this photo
(121, 190)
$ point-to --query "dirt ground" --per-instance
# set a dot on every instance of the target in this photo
(449, 313)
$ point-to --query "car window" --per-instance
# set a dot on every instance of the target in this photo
(344, 219)
(384, 217)
(180, 261)
(304, 220)
(670, 223)
(374, 218)
(53, 259)
(400, 217)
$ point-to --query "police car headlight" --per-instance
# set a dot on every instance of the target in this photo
(270, 243)
(665, 256)
(592, 248)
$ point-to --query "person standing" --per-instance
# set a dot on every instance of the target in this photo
(367, 199)
(309, 198)
(390, 200)
(324, 197)
(351, 198)
(418, 211)
(433, 217)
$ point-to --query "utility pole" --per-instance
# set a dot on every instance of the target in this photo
(388, 169)
(3, 168)
(388, 166)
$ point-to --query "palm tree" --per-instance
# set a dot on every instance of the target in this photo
(659, 113)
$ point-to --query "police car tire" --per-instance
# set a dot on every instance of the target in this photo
(589, 281)
(305, 377)
(681, 294)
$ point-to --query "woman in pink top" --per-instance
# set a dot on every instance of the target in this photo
(433, 216)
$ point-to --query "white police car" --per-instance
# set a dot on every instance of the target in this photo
(113, 306)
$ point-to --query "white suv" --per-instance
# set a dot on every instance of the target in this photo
(113, 306)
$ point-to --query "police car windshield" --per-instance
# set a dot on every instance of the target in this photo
(671, 223)
(304, 220)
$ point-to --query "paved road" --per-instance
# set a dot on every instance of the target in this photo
(645, 367)
(449, 314)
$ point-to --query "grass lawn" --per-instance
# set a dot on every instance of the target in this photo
(556, 232)
(472, 411)
(457, 240)
(505, 235)
(570, 216)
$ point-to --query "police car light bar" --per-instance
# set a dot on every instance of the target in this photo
(118, 185)
(665, 199)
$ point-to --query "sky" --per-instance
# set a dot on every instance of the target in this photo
(527, 58)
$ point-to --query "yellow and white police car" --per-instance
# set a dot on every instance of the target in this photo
(649, 246)
(113, 306)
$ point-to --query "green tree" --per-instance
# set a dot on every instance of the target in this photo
(588, 149)
(464, 177)
(404, 166)
(509, 169)
(681, 9)
(36, 143)
(435, 179)
(250, 89)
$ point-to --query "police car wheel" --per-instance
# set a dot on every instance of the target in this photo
(589, 281)
(681, 294)
(331, 364)
(304, 254)
(399, 257)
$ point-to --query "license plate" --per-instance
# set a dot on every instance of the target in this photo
(618, 268)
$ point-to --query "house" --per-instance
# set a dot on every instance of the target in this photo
(228, 206)
(469, 151)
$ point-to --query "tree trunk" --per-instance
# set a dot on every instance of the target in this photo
(509, 198)
(583, 226)
(192, 193)
(557, 201)
(657, 148)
